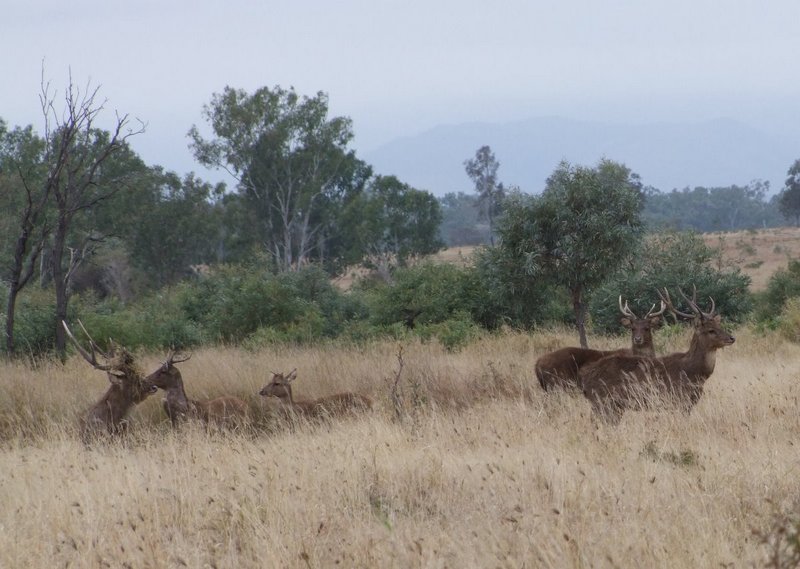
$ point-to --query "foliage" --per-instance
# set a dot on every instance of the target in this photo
(391, 223)
(675, 261)
(425, 294)
(584, 225)
(789, 198)
(460, 221)
(454, 333)
(781, 287)
(292, 163)
(789, 320)
(711, 209)
(482, 170)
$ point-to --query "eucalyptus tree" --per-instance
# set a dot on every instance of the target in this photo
(584, 225)
(290, 159)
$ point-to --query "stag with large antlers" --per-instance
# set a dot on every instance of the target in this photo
(225, 410)
(618, 382)
(337, 404)
(127, 388)
(559, 369)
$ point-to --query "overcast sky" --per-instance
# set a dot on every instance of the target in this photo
(400, 67)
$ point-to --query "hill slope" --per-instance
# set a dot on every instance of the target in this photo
(667, 155)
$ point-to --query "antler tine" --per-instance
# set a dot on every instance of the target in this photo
(652, 314)
(91, 358)
(92, 343)
(710, 313)
(693, 301)
(174, 357)
(626, 311)
(668, 301)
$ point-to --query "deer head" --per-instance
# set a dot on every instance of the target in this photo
(280, 386)
(641, 328)
(167, 375)
(119, 365)
(708, 331)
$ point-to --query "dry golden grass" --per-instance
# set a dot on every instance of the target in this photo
(486, 472)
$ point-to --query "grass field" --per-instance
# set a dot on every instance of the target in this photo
(481, 470)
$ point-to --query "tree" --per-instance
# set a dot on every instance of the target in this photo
(789, 199)
(582, 227)
(483, 171)
(288, 158)
(26, 197)
(80, 171)
(394, 222)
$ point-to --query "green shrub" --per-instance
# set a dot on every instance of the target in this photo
(454, 333)
(782, 286)
(677, 261)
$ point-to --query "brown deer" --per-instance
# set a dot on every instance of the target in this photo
(559, 369)
(337, 404)
(225, 410)
(620, 382)
(127, 388)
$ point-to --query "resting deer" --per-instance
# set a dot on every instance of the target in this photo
(559, 369)
(225, 410)
(337, 404)
(127, 388)
(618, 382)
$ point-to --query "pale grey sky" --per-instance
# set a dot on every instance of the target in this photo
(400, 67)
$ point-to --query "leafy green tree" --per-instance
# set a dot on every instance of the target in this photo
(579, 231)
(460, 220)
(393, 222)
(24, 199)
(711, 209)
(289, 159)
(179, 226)
(789, 199)
(482, 170)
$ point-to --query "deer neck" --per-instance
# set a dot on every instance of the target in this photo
(699, 360)
(176, 395)
(114, 405)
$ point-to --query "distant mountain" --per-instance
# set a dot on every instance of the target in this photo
(718, 152)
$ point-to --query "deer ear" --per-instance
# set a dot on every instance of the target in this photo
(626, 322)
(656, 321)
(717, 318)
(292, 375)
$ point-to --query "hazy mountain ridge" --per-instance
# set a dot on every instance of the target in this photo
(666, 155)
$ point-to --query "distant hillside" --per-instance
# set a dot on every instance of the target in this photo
(666, 155)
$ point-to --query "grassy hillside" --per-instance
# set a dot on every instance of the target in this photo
(484, 470)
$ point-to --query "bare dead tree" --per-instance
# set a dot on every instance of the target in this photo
(76, 152)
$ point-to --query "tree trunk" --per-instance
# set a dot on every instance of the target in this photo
(580, 316)
(60, 283)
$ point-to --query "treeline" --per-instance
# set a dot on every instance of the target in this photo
(153, 258)
(729, 208)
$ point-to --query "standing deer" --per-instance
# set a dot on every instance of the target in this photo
(620, 382)
(127, 388)
(559, 369)
(336, 404)
(225, 410)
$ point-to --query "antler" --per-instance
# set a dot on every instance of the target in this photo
(693, 304)
(668, 301)
(626, 311)
(91, 358)
(173, 357)
(652, 314)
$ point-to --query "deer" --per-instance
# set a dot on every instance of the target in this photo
(337, 404)
(128, 387)
(619, 382)
(559, 369)
(225, 410)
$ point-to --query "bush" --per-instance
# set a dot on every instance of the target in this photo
(782, 286)
(675, 261)
(454, 333)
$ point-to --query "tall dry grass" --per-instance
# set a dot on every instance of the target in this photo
(483, 469)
